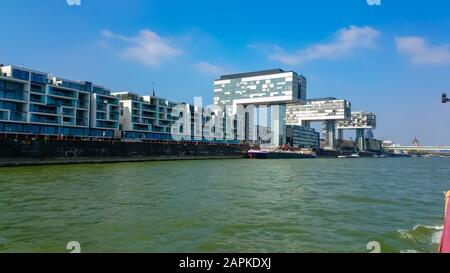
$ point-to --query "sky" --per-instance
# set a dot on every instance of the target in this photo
(392, 59)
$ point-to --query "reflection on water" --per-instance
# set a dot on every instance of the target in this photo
(320, 205)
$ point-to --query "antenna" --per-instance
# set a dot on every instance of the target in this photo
(153, 86)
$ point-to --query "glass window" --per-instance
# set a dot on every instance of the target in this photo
(39, 78)
(21, 74)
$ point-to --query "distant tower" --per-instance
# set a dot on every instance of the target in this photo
(416, 142)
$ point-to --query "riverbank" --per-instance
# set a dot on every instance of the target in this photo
(17, 162)
(14, 152)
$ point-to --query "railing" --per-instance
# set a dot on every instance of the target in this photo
(14, 95)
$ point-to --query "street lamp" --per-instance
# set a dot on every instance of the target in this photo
(444, 98)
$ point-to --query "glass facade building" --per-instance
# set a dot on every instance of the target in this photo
(261, 87)
(322, 109)
(151, 117)
(32, 102)
(270, 90)
(358, 120)
(302, 137)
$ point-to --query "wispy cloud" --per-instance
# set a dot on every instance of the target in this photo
(147, 47)
(343, 43)
(419, 52)
(211, 69)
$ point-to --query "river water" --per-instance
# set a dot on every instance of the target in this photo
(312, 205)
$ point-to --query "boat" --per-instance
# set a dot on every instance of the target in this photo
(444, 246)
(354, 156)
(342, 156)
(276, 154)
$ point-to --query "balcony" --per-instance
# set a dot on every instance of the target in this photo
(106, 124)
(68, 112)
(147, 121)
(101, 116)
(37, 89)
(149, 108)
(62, 93)
(44, 109)
(81, 122)
(140, 127)
(42, 119)
(101, 107)
(54, 102)
(82, 104)
(68, 123)
(14, 95)
(114, 116)
(149, 115)
(37, 98)
(18, 116)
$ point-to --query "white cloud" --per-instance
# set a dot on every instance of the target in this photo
(345, 40)
(147, 47)
(210, 69)
(418, 52)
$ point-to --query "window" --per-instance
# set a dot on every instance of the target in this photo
(38, 78)
(21, 74)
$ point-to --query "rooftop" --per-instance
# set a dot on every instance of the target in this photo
(252, 74)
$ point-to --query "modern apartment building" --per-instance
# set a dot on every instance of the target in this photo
(361, 122)
(358, 120)
(33, 102)
(261, 87)
(104, 114)
(151, 117)
(302, 137)
(268, 89)
(145, 117)
(321, 109)
(326, 110)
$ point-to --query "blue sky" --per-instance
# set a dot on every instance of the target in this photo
(392, 59)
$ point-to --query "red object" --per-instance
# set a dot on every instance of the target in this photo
(445, 241)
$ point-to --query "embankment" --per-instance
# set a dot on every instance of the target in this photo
(14, 152)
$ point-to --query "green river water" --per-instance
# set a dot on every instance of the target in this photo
(313, 205)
